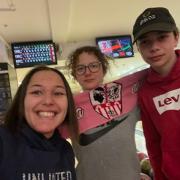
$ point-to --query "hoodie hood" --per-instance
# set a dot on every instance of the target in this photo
(38, 141)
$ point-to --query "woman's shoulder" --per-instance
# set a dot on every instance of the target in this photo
(6, 137)
(67, 144)
(68, 149)
(4, 131)
(62, 142)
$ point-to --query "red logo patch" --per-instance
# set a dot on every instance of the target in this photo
(107, 100)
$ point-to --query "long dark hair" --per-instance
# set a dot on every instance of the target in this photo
(15, 115)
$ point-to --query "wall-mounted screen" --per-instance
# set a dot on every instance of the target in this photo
(28, 54)
(116, 46)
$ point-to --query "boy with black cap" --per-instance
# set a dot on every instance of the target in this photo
(156, 35)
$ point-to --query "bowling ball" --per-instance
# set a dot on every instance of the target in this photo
(144, 176)
(145, 166)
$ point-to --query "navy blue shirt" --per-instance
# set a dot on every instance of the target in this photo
(28, 155)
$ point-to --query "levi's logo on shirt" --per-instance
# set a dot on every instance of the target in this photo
(168, 101)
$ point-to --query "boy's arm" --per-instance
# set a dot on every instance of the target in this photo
(153, 143)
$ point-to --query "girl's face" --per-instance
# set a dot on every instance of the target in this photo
(157, 49)
(89, 71)
(45, 102)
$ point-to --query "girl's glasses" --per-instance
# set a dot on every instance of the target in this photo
(93, 67)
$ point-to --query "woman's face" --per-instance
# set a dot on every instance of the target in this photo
(89, 80)
(45, 102)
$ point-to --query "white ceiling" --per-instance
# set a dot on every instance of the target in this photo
(66, 21)
(72, 22)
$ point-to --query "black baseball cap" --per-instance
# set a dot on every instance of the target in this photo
(153, 19)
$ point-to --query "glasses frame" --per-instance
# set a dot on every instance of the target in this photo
(89, 66)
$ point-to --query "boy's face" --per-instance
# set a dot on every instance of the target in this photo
(157, 48)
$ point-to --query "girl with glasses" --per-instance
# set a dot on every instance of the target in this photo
(88, 66)
(102, 156)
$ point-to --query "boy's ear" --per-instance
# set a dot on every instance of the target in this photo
(137, 46)
(177, 39)
(177, 35)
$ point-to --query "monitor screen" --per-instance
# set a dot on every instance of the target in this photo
(116, 46)
(28, 54)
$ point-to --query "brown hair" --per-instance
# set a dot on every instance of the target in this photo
(15, 116)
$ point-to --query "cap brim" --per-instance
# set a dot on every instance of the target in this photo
(154, 27)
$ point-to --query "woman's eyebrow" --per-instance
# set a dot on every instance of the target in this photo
(39, 85)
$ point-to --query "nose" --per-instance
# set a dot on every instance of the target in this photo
(154, 46)
(48, 99)
(87, 70)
